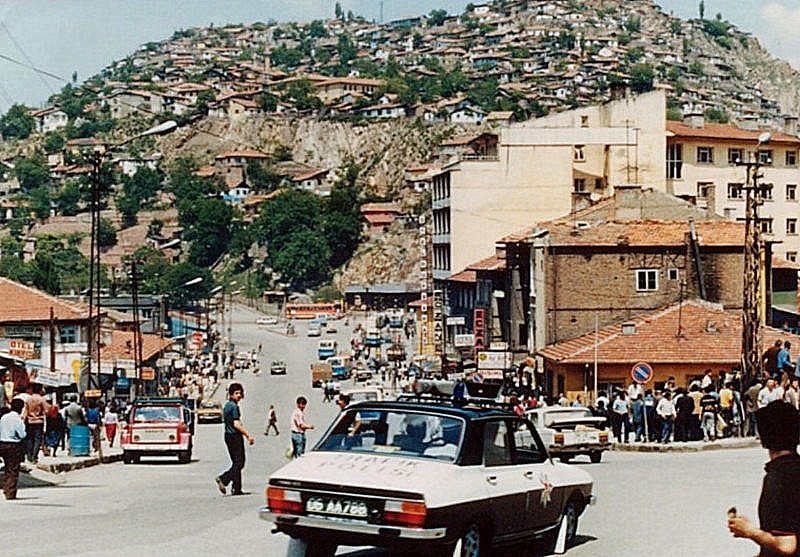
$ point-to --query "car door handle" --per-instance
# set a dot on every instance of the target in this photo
(491, 480)
(529, 474)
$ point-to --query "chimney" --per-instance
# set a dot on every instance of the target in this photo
(694, 119)
(580, 201)
(749, 123)
(790, 125)
(620, 90)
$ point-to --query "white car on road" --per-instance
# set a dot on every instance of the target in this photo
(569, 432)
(269, 320)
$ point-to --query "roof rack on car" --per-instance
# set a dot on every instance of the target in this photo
(449, 400)
(158, 400)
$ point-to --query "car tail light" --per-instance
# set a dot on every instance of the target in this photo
(284, 501)
(603, 436)
(558, 438)
(405, 513)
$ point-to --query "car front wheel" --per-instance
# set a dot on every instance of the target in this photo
(596, 456)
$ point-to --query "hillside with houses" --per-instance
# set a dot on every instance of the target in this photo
(353, 116)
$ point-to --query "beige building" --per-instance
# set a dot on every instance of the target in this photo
(537, 167)
(701, 164)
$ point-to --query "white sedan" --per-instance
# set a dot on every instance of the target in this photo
(267, 321)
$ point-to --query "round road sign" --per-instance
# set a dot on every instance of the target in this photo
(641, 373)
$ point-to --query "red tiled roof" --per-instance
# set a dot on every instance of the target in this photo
(121, 346)
(205, 171)
(466, 275)
(22, 303)
(460, 140)
(725, 132)
(492, 263)
(656, 339)
(379, 208)
(379, 219)
(636, 233)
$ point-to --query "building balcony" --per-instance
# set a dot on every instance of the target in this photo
(440, 239)
(440, 203)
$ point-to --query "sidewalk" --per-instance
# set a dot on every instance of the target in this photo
(689, 446)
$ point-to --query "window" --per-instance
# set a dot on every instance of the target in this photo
(766, 226)
(704, 189)
(705, 155)
(496, 451)
(765, 156)
(766, 191)
(646, 280)
(579, 184)
(577, 153)
(526, 449)
(791, 158)
(735, 155)
(68, 334)
(675, 161)
(672, 274)
(791, 256)
(791, 226)
(791, 192)
(735, 191)
(584, 121)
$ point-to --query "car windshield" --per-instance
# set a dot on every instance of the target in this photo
(399, 432)
(210, 405)
(145, 414)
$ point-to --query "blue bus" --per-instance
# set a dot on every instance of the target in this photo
(326, 349)
(340, 366)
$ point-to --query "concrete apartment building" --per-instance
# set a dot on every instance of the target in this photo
(535, 170)
(701, 164)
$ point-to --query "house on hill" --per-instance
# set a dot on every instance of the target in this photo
(378, 217)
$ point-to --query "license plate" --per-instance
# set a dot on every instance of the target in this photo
(337, 507)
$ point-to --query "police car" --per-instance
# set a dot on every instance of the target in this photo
(426, 478)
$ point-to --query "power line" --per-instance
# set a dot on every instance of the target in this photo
(28, 59)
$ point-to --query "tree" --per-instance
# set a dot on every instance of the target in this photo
(302, 94)
(642, 76)
(303, 260)
(437, 17)
(342, 220)
(346, 48)
(702, 9)
(17, 123)
(285, 214)
(187, 186)
(262, 176)
(317, 29)
(177, 276)
(32, 172)
(106, 233)
(633, 24)
(67, 198)
(207, 224)
(40, 201)
(337, 10)
(137, 192)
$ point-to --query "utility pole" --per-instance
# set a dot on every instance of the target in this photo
(137, 328)
(751, 292)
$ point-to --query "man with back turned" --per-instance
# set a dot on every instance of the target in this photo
(779, 506)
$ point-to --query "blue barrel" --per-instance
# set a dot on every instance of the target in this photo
(79, 440)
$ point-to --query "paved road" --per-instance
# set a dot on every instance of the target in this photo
(656, 504)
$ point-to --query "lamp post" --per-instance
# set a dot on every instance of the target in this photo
(192, 282)
(94, 247)
(751, 295)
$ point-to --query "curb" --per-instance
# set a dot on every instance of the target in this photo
(688, 447)
(59, 467)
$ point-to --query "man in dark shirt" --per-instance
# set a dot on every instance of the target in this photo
(779, 505)
(770, 358)
(235, 433)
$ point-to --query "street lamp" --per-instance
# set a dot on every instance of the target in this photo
(94, 247)
(192, 282)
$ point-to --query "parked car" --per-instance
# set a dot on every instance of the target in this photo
(242, 360)
(209, 411)
(432, 479)
(269, 320)
(157, 427)
(569, 432)
(278, 367)
(331, 329)
(314, 330)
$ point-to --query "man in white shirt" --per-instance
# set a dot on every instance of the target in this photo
(12, 446)
(666, 409)
(771, 391)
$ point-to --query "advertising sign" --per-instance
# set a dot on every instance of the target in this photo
(456, 320)
(494, 360)
(462, 340)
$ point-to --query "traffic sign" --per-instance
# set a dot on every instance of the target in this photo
(641, 373)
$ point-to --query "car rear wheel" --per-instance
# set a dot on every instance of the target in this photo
(596, 456)
(471, 544)
(565, 458)
(184, 457)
